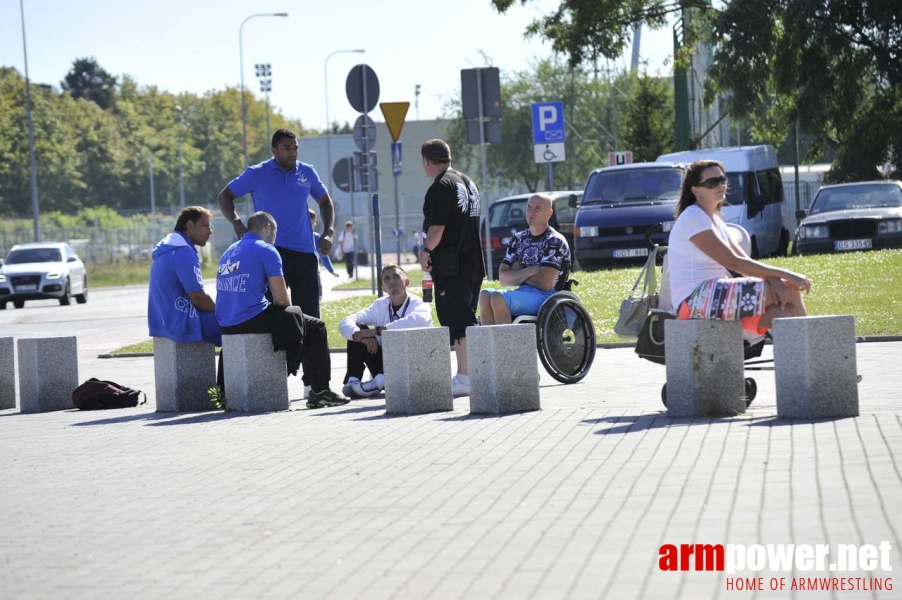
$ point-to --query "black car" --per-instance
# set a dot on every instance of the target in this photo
(851, 216)
(507, 216)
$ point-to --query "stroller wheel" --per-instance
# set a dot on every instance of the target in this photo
(664, 394)
(751, 390)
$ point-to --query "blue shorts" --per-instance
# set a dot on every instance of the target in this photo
(523, 300)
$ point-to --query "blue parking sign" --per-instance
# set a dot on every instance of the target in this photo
(547, 122)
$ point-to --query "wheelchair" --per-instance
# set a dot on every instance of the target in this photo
(565, 335)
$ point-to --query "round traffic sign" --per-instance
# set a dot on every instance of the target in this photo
(364, 127)
(362, 81)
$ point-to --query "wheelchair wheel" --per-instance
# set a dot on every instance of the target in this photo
(751, 390)
(566, 338)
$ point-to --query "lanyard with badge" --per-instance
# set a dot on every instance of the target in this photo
(393, 314)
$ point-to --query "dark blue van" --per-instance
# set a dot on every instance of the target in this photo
(618, 207)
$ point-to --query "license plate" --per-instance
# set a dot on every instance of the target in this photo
(630, 253)
(26, 288)
(853, 244)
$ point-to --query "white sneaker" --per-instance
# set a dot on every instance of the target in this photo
(367, 389)
(348, 389)
(459, 389)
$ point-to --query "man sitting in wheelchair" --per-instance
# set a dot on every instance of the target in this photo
(535, 262)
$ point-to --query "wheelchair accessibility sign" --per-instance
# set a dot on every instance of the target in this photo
(548, 132)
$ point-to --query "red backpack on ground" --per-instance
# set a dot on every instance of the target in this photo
(96, 394)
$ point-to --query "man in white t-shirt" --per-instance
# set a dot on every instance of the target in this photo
(363, 330)
(347, 241)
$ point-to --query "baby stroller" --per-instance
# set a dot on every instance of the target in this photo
(650, 344)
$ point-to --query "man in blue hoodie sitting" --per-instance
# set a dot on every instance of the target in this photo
(178, 308)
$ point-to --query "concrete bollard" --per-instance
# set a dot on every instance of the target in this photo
(183, 373)
(417, 370)
(704, 368)
(256, 378)
(48, 373)
(7, 373)
(504, 369)
(815, 367)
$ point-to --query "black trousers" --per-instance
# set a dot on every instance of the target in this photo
(359, 358)
(349, 263)
(316, 361)
(301, 271)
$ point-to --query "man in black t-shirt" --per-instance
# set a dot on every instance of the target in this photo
(452, 251)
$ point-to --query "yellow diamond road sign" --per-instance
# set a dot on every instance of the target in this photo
(394, 113)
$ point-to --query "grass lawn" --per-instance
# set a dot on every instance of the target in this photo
(130, 273)
(863, 284)
(416, 280)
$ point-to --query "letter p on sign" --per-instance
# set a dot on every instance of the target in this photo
(547, 115)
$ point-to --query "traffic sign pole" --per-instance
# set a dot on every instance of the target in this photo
(485, 169)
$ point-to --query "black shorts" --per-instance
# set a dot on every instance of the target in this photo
(456, 299)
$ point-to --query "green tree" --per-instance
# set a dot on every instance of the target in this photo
(87, 79)
(648, 131)
(831, 65)
(585, 30)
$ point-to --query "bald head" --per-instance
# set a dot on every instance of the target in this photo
(538, 212)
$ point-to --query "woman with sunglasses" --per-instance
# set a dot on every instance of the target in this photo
(702, 255)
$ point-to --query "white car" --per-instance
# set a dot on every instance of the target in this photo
(42, 270)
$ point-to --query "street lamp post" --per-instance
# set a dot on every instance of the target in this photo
(241, 62)
(178, 109)
(32, 163)
(328, 124)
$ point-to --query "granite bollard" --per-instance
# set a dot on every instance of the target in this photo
(7, 373)
(256, 378)
(815, 367)
(48, 373)
(183, 373)
(417, 370)
(704, 368)
(504, 369)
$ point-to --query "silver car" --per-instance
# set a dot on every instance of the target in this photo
(42, 270)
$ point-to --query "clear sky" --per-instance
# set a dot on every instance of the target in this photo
(192, 45)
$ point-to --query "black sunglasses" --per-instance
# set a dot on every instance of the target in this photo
(713, 182)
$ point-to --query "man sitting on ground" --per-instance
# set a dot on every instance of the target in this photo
(250, 273)
(533, 262)
(363, 330)
(178, 308)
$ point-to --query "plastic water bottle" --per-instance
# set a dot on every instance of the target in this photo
(427, 287)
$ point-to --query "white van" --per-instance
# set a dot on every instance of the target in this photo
(755, 196)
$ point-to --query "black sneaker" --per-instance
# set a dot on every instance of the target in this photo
(325, 398)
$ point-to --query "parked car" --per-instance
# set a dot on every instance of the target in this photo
(619, 207)
(851, 216)
(507, 216)
(42, 270)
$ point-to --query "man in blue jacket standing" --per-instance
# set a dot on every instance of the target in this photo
(178, 308)
(281, 186)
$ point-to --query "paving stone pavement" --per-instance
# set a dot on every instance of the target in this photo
(573, 501)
